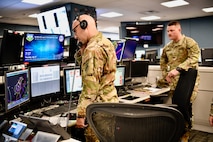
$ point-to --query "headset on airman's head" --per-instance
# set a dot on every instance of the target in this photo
(83, 23)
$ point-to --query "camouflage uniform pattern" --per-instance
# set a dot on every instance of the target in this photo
(183, 54)
(98, 68)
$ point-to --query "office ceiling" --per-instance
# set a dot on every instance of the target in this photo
(16, 12)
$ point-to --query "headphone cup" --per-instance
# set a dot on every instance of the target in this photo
(83, 24)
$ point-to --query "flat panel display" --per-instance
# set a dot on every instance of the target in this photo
(45, 80)
(139, 68)
(129, 49)
(120, 76)
(10, 48)
(72, 80)
(54, 21)
(40, 47)
(119, 50)
(16, 89)
(151, 34)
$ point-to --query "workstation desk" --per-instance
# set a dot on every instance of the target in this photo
(137, 95)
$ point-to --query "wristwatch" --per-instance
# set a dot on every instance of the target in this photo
(179, 69)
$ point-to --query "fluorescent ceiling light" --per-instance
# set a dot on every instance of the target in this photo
(111, 14)
(150, 18)
(157, 29)
(33, 15)
(37, 2)
(159, 25)
(131, 28)
(136, 31)
(210, 9)
(174, 3)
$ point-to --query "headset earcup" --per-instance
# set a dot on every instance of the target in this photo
(83, 24)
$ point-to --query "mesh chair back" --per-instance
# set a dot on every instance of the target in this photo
(120, 122)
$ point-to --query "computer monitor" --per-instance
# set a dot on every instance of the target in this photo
(54, 21)
(44, 80)
(151, 55)
(72, 80)
(40, 47)
(129, 49)
(139, 68)
(72, 49)
(16, 89)
(119, 50)
(10, 48)
(207, 56)
(127, 64)
(120, 76)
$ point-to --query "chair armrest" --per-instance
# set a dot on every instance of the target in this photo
(168, 105)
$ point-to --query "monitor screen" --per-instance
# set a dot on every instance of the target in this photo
(10, 48)
(139, 68)
(72, 79)
(120, 76)
(151, 54)
(207, 56)
(45, 80)
(129, 49)
(119, 50)
(40, 47)
(16, 129)
(54, 21)
(151, 34)
(72, 49)
(127, 63)
(16, 89)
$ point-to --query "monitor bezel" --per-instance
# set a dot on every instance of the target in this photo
(125, 49)
(134, 71)
(42, 61)
(50, 94)
(122, 50)
(17, 106)
(43, 24)
(5, 48)
(65, 76)
(121, 66)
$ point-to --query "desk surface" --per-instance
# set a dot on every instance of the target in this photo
(141, 94)
(57, 119)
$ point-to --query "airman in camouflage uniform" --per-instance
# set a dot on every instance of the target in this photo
(97, 59)
(181, 53)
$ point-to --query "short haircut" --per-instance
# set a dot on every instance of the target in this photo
(173, 23)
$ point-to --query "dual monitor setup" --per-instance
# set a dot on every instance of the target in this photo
(30, 48)
(127, 67)
(22, 86)
(39, 81)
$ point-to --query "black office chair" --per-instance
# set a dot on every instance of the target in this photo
(182, 94)
(120, 122)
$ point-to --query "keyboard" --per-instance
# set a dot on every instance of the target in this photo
(59, 110)
(122, 93)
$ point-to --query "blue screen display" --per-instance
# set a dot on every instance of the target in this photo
(129, 49)
(119, 50)
(43, 47)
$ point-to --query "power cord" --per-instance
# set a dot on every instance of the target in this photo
(73, 80)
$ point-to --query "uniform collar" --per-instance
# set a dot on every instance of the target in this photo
(180, 42)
